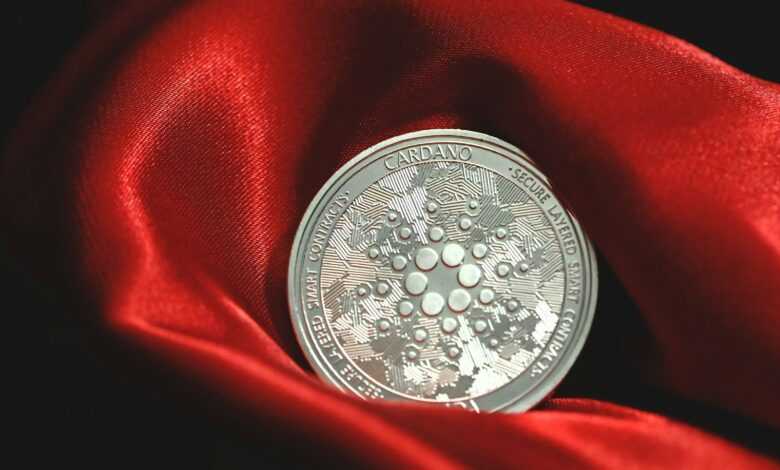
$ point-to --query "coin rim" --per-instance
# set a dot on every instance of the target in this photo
(552, 378)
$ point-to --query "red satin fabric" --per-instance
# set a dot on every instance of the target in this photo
(170, 160)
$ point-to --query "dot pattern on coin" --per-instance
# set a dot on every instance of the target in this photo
(434, 268)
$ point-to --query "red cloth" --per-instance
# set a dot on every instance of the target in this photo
(171, 159)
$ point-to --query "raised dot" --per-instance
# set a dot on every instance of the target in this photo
(392, 216)
(500, 233)
(473, 204)
(362, 291)
(420, 335)
(459, 300)
(436, 234)
(382, 288)
(405, 233)
(449, 324)
(416, 283)
(373, 252)
(469, 275)
(480, 326)
(512, 305)
(486, 296)
(426, 258)
(452, 255)
(479, 250)
(411, 354)
(383, 325)
(493, 342)
(465, 223)
(524, 267)
(399, 262)
(432, 304)
(453, 351)
(431, 207)
(405, 308)
(503, 269)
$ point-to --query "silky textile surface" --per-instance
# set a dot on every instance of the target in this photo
(168, 163)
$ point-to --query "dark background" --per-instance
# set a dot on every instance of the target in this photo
(90, 402)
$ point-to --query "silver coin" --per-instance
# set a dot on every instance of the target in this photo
(439, 267)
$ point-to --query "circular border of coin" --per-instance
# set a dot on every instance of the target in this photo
(519, 394)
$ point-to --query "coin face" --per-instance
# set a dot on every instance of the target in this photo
(439, 267)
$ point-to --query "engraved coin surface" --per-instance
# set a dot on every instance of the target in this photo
(438, 266)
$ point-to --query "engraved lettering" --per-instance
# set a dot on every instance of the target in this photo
(531, 183)
(320, 235)
(452, 151)
(359, 382)
(574, 286)
(312, 297)
(556, 345)
(423, 153)
(403, 158)
(561, 224)
(324, 339)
